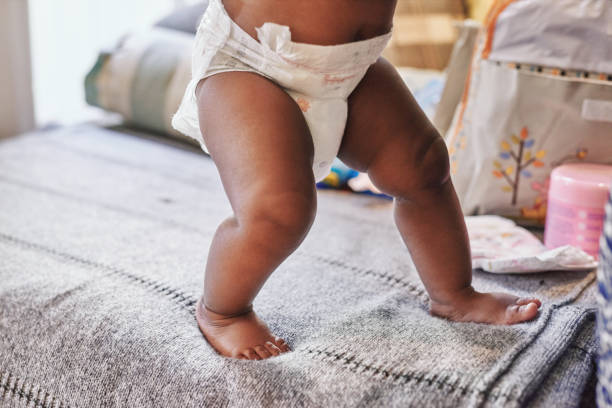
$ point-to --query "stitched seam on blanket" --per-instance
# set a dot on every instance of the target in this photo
(10, 386)
(183, 298)
(354, 365)
(584, 351)
(437, 380)
(381, 276)
(162, 288)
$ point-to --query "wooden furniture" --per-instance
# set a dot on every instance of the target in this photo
(424, 32)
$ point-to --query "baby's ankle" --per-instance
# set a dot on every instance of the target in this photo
(450, 297)
(215, 315)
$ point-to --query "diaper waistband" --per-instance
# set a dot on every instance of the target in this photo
(274, 40)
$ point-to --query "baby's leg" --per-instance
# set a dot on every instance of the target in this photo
(260, 143)
(388, 136)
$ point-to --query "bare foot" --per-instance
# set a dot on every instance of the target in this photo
(493, 308)
(244, 336)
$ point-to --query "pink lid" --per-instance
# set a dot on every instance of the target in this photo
(583, 184)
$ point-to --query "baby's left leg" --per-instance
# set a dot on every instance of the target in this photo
(388, 136)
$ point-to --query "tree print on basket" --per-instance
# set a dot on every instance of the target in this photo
(518, 150)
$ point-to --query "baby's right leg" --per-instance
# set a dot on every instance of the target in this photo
(261, 145)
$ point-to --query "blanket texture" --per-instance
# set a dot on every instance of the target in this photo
(103, 242)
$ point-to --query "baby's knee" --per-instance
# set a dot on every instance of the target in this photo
(282, 217)
(434, 168)
(409, 170)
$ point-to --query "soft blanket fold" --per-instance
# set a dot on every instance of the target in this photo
(103, 240)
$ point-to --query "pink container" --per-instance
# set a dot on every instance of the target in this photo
(576, 206)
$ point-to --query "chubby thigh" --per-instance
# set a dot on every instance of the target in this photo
(256, 134)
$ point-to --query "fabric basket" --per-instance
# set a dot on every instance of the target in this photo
(539, 94)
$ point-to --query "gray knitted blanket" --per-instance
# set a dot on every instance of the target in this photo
(103, 241)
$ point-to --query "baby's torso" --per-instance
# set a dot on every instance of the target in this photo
(323, 22)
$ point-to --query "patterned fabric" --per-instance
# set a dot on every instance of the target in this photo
(604, 278)
(143, 79)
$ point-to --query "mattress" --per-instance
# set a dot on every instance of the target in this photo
(103, 240)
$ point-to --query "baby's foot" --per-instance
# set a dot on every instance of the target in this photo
(244, 336)
(493, 308)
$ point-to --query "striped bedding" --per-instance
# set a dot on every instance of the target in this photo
(604, 277)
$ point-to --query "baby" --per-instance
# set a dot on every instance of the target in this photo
(282, 87)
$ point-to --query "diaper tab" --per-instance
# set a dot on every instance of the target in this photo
(274, 36)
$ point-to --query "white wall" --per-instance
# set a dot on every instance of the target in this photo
(66, 38)
(16, 110)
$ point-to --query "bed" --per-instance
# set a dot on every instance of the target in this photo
(103, 239)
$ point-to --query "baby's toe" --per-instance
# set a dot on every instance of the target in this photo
(280, 343)
(517, 314)
(262, 352)
(271, 347)
(527, 300)
(250, 354)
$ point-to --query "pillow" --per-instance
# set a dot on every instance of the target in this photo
(185, 19)
(143, 79)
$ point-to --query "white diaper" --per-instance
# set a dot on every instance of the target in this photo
(319, 78)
